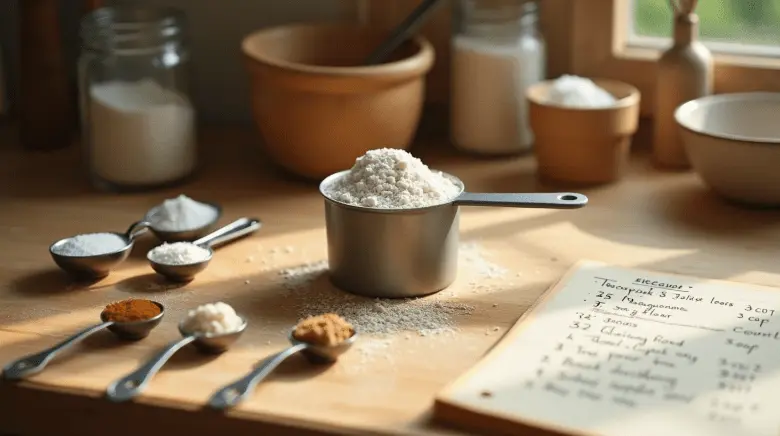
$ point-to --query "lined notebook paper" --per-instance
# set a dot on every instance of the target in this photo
(622, 352)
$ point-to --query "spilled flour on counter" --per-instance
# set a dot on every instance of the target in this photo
(471, 254)
(300, 277)
(370, 349)
(424, 316)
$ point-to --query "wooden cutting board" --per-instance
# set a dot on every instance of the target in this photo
(624, 352)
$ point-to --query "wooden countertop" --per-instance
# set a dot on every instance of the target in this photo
(659, 221)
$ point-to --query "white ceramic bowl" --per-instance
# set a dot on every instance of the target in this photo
(733, 143)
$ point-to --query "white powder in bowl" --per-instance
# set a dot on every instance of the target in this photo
(182, 213)
(90, 244)
(388, 178)
(212, 319)
(579, 92)
(178, 253)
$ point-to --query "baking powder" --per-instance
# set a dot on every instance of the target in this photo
(141, 133)
(182, 213)
(578, 92)
(389, 178)
(489, 112)
(178, 253)
(213, 319)
(90, 244)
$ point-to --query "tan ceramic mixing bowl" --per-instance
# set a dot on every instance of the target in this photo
(583, 145)
(317, 109)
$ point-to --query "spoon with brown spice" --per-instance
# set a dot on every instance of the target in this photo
(131, 319)
(322, 339)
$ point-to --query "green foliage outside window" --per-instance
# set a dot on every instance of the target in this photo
(742, 21)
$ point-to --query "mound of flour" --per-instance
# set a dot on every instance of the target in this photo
(388, 178)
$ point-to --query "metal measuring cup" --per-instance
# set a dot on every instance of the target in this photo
(133, 384)
(186, 272)
(35, 363)
(97, 266)
(402, 253)
(237, 391)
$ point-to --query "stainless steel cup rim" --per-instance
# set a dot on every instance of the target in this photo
(335, 176)
(68, 256)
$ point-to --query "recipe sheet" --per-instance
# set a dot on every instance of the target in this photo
(623, 352)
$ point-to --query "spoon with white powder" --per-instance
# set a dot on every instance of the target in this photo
(182, 219)
(94, 255)
(181, 261)
(212, 328)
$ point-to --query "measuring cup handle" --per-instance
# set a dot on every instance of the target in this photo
(557, 200)
(35, 363)
(134, 383)
(236, 229)
(235, 392)
(137, 229)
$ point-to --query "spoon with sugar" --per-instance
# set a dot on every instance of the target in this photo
(212, 328)
(322, 339)
(94, 255)
(182, 261)
(182, 219)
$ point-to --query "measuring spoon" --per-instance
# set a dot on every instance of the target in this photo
(97, 266)
(35, 363)
(131, 385)
(234, 393)
(186, 272)
(181, 235)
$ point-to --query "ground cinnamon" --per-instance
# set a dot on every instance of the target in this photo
(131, 310)
(327, 330)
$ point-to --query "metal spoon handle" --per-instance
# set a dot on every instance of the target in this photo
(137, 229)
(236, 229)
(134, 383)
(557, 200)
(35, 363)
(234, 393)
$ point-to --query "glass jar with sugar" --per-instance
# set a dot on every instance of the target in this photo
(138, 122)
(497, 53)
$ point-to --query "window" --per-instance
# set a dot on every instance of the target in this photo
(622, 39)
(735, 26)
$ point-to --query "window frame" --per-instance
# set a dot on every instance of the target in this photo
(600, 48)
(586, 38)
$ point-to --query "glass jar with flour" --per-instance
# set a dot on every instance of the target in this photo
(497, 53)
(138, 122)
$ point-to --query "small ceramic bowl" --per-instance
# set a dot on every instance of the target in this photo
(583, 145)
(318, 109)
(733, 143)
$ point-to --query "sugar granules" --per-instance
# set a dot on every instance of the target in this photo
(425, 316)
(178, 253)
(389, 178)
(213, 319)
(182, 213)
(579, 92)
(90, 244)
